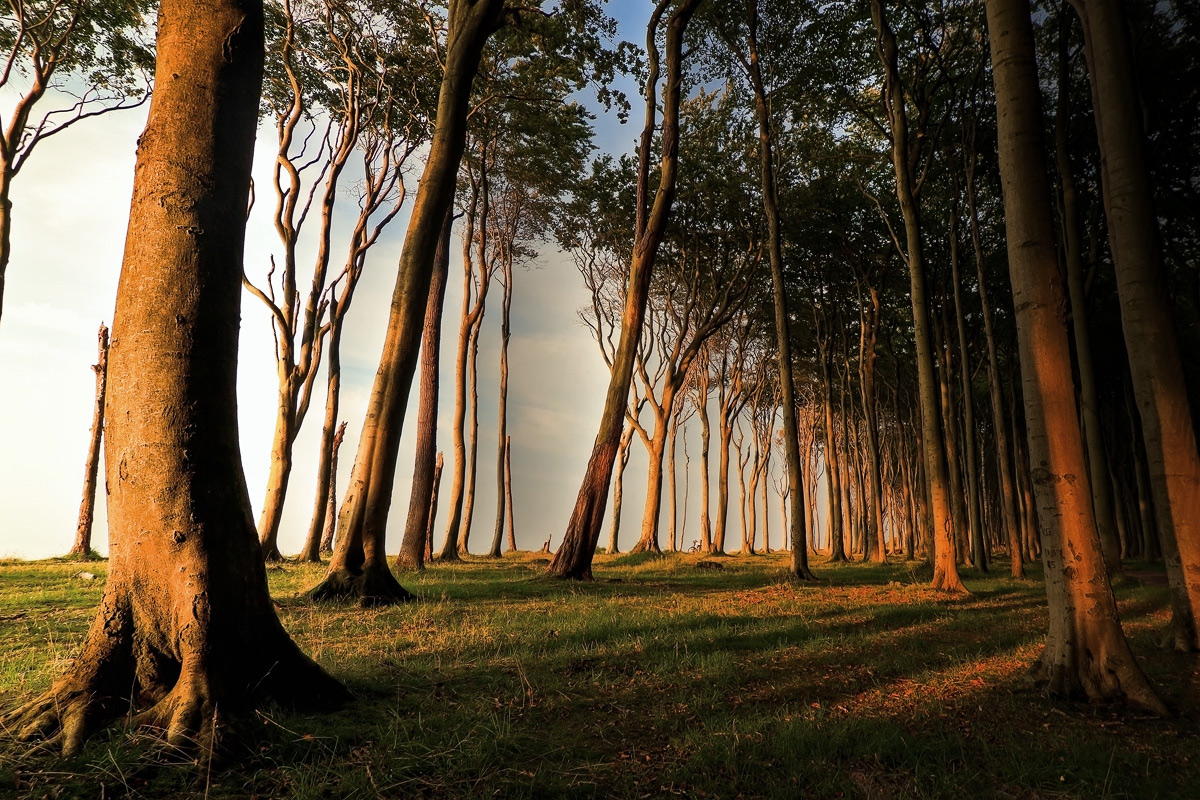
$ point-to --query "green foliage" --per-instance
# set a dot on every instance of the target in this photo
(658, 678)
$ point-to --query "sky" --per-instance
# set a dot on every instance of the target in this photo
(70, 209)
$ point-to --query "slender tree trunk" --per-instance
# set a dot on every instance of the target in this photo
(433, 504)
(619, 489)
(1004, 468)
(185, 625)
(833, 478)
(416, 526)
(359, 566)
(724, 436)
(1086, 652)
(1146, 317)
(1073, 254)
(705, 438)
(799, 567)
(502, 412)
(470, 316)
(673, 511)
(979, 556)
(574, 556)
(468, 513)
(331, 494)
(945, 570)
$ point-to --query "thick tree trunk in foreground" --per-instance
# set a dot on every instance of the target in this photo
(412, 547)
(1086, 652)
(945, 570)
(574, 556)
(82, 547)
(1146, 318)
(185, 622)
(359, 566)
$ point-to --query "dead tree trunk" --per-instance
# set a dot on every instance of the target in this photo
(82, 548)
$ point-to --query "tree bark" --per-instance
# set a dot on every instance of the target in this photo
(614, 528)
(359, 566)
(1146, 319)
(331, 494)
(82, 548)
(574, 556)
(416, 526)
(186, 623)
(1086, 652)
(324, 509)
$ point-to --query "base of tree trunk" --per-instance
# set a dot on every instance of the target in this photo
(804, 575)
(271, 553)
(372, 586)
(646, 547)
(120, 667)
(1178, 636)
(945, 582)
(1094, 682)
(406, 563)
(83, 555)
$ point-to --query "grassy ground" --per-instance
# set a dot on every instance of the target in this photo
(659, 679)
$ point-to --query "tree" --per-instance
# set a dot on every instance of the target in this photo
(1146, 319)
(574, 556)
(423, 498)
(185, 621)
(359, 565)
(54, 44)
(1086, 651)
(908, 185)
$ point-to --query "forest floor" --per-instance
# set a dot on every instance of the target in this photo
(659, 679)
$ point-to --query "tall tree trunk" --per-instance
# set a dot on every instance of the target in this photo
(574, 556)
(82, 547)
(1086, 651)
(672, 510)
(185, 622)
(1073, 254)
(979, 557)
(614, 529)
(766, 141)
(724, 437)
(468, 513)
(412, 546)
(945, 570)
(331, 494)
(869, 327)
(471, 315)
(502, 411)
(324, 502)
(359, 565)
(1146, 318)
(705, 439)
(512, 527)
(1008, 495)
(950, 437)
(833, 478)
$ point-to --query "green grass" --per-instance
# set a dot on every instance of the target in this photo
(658, 679)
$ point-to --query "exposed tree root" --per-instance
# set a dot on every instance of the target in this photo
(942, 581)
(372, 586)
(803, 575)
(1101, 679)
